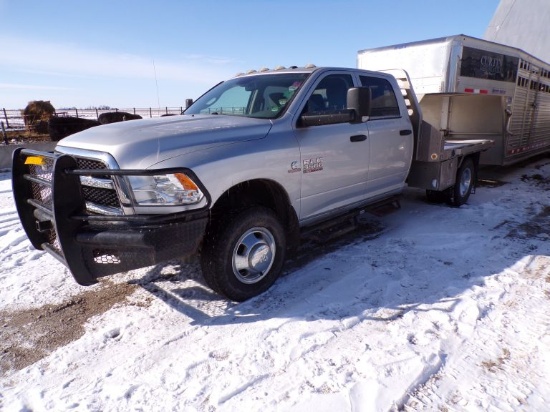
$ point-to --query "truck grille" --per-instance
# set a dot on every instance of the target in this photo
(98, 199)
(105, 197)
(90, 164)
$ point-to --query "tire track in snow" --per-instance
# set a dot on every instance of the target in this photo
(490, 335)
(9, 220)
(17, 251)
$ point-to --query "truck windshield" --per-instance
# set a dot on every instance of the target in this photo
(262, 96)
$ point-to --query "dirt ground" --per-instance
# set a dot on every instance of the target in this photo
(29, 335)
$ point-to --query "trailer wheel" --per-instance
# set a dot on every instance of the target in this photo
(245, 255)
(465, 178)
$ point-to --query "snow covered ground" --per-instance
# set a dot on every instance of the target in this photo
(446, 309)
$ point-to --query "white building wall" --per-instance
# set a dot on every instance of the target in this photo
(524, 24)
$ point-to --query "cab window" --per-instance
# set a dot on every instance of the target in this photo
(330, 94)
(384, 103)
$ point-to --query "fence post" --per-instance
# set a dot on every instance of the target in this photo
(150, 113)
(6, 117)
(4, 133)
(76, 111)
(96, 114)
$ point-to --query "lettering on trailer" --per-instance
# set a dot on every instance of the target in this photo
(491, 65)
(482, 64)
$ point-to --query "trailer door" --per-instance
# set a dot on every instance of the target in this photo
(530, 120)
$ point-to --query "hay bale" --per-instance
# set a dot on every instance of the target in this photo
(113, 117)
(37, 114)
(60, 127)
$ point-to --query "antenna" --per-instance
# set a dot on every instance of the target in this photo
(157, 83)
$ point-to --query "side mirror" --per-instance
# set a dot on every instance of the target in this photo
(359, 100)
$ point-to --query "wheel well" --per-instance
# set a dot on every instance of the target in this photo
(475, 158)
(259, 192)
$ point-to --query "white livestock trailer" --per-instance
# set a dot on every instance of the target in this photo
(470, 88)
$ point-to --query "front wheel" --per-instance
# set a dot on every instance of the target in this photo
(243, 257)
(465, 179)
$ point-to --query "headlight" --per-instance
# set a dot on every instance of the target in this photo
(175, 189)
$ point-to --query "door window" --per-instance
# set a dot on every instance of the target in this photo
(384, 103)
(330, 94)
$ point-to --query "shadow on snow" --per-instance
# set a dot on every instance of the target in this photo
(366, 273)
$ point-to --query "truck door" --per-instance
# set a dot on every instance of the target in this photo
(391, 138)
(333, 157)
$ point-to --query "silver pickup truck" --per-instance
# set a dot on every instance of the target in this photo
(237, 176)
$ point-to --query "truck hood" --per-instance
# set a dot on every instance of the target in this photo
(139, 144)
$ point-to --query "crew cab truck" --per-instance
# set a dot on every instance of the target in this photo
(237, 177)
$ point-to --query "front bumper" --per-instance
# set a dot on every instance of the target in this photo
(51, 206)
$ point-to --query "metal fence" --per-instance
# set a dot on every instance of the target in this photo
(13, 119)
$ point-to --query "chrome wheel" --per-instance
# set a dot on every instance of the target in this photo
(253, 255)
(465, 184)
(243, 256)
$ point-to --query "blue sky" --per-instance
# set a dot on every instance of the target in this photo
(149, 54)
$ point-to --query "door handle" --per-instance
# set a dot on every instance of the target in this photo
(405, 132)
(358, 138)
